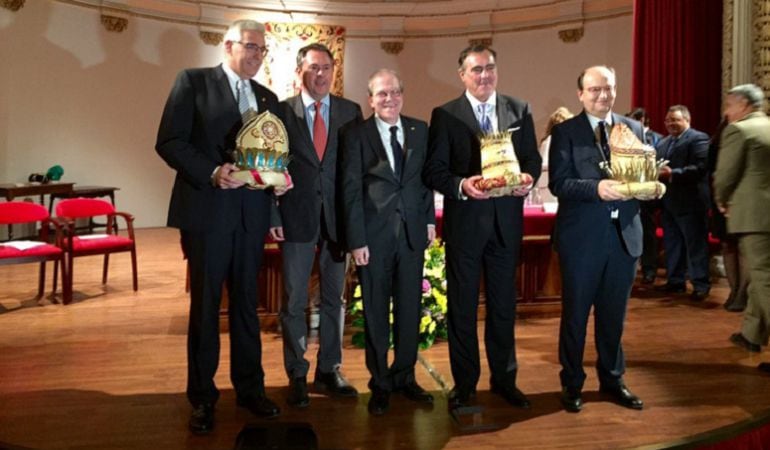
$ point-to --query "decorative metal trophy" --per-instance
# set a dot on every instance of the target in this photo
(262, 152)
(499, 166)
(633, 164)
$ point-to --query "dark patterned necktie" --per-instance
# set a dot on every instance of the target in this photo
(398, 152)
(603, 140)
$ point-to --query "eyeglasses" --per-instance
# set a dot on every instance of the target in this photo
(384, 94)
(597, 90)
(253, 47)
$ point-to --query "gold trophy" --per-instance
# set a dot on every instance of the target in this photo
(262, 152)
(499, 166)
(633, 164)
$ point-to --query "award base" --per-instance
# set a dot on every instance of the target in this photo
(646, 190)
(259, 179)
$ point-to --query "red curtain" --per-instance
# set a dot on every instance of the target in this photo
(678, 59)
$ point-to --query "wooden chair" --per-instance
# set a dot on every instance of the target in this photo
(67, 211)
(36, 251)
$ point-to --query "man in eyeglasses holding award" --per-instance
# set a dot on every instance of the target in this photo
(483, 219)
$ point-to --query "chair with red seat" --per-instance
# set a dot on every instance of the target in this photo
(21, 252)
(67, 211)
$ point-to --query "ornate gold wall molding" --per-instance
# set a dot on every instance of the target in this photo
(114, 23)
(761, 45)
(571, 35)
(392, 47)
(727, 45)
(13, 5)
(211, 37)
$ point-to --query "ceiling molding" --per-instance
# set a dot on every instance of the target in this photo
(391, 19)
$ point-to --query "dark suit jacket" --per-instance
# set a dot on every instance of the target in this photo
(574, 176)
(454, 154)
(299, 210)
(197, 131)
(373, 198)
(688, 189)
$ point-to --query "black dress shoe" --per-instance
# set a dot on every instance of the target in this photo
(671, 288)
(648, 278)
(622, 396)
(572, 399)
(511, 394)
(699, 295)
(459, 397)
(416, 393)
(733, 305)
(764, 367)
(260, 406)
(202, 419)
(333, 383)
(298, 395)
(739, 340)
(379, 403)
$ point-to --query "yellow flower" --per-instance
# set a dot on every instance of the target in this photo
(432, 327)
(425, 322)
(357, 291)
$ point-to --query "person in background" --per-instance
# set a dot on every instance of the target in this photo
(685, 206)
(742, 193)
(734, 263)
(560, 115)
(389, 221)
(223, 224)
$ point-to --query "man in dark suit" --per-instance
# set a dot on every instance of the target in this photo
(648, 208)
(480, 232)
(598, 236)
(223, 224)
(306, 219)
(389, 220)
(685, 205)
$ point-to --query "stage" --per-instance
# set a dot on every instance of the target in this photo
(108, 371)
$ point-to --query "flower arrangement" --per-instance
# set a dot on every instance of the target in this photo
(433, 324)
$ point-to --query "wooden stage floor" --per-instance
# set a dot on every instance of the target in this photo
(108, 371)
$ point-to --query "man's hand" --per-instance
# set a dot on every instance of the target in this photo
(664, 173)
(280, 190)
(276, 233)
(527, 184)
(361, 256)
(431, 233)
(724, 210)
(607, 193)
(469, 188)
(223, 179)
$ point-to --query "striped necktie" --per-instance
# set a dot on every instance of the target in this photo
(243, 99)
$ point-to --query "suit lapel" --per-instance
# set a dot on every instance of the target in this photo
(225, 91)
(504, 114)
(466, 114)
(375, 143)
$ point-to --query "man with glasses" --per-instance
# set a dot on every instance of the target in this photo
(389, 220)
(598, 235)
(223, 224)
(480, 232)
(305, 221)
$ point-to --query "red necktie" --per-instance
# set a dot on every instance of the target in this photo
(319, 132)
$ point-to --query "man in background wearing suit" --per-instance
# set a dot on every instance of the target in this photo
(648, 208)
(480, 232)
(742, 192)
(685, 205)
(389, 220)
(306, 219)
(598, 237)
(223, 224)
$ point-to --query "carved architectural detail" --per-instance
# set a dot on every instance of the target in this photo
(761, 45)
(486, 41)
(727, 45)
(13, 5)
(114, 23)
(392, 47)
(571, 35)
(211, 37)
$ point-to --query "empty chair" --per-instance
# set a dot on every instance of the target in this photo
(67, 211)
(34, 251)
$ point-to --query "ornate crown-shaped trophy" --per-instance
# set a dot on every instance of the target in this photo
(633, 163)
(499, 166)
(262, 151)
